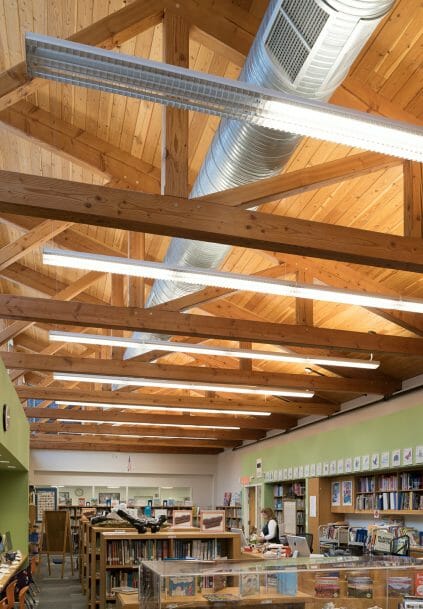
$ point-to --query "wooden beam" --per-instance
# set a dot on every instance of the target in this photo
(184, 324)
(302, 180)
(172, 216)
(109, 32)
(344, 276)
(74, 144)
(175, 121)
(67, 293)
(223, 27)
(128, 430)
(66, 443)
(174, 401)
(127, 416)
(127, 368)
(304, 306)
(44, 232)
(413, 199)
(136, 285)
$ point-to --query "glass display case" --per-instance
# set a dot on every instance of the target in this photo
(302, 583)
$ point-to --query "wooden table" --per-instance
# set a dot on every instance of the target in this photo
(126, 601)
(6, 577)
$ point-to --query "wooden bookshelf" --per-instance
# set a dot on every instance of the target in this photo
(233, 516)
(120, 554)
(391, 492)
(290, 490)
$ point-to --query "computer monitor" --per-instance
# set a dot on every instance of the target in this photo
(241, 532)
(298, 545)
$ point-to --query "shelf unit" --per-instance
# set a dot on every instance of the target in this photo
(121, 553)
(292, 490)
(233, 516)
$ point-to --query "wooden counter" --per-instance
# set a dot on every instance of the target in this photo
(6, 577)
(126, 601)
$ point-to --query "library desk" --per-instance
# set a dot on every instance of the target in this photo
(7, 577)
(126, 601)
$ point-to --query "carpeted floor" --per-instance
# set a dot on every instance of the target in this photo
(58, 593)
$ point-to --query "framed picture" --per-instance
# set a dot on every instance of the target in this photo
(318, 469)
(326, 468)
(64, 498)
(348, 465)
(306, 471)
(312, 469)
(384, 459)
(212, 520)
(336, 493)
(365, 462)
(375, 461)
(182, 519)
(332, 467)
(249, 584)
(347, 492)
(407, 456)
(357, 464)
(396, 457)
(419, 454)
(340, 466)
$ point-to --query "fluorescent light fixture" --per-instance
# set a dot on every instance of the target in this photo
(177, 425)
(95, 68)
(121, 435)
(166, 345)
(112, 486)
(4, 461)
(218, 279)
(11, 466)
(256, 413)
(124, 381)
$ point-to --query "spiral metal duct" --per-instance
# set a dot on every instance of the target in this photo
(304, 47)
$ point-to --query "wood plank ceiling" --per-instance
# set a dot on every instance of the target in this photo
(48, 130)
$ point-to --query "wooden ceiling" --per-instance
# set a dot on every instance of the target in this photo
(310, 229)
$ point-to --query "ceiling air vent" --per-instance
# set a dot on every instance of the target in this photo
(293, 34)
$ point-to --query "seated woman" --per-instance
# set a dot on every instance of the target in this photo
(270, 530)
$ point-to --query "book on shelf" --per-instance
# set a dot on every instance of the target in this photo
(359, 586)
(418, 583)
(399, 586)
(249, 584)
(287, 583)
(181, 585)
(327, 586)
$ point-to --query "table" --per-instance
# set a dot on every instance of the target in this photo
(6, 577)
(126, 601)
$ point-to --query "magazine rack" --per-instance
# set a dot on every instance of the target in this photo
(352, 582)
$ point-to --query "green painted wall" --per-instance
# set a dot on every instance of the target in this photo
(14, 447)
(370, 432)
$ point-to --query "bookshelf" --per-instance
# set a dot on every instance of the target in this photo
(292, 491)
(233, 516)
(395, 492)
(121, 552)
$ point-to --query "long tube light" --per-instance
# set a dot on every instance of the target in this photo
(255, 413)
(176, 425)
(121, 435)
(218, 279)
(95, 68)
(123, 381)
(157, 345)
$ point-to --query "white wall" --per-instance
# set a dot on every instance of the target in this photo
(104, 468)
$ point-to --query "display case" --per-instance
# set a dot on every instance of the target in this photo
(314, 583)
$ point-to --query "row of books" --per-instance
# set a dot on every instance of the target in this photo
(402, 500)
(411, 481)
(366, 484)
(209, 549)
(131, 551)
(116, 579)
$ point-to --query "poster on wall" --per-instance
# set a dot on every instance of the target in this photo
(396, 457)
(365, 462)
(313, 469)
(375, 461)
(357, 464)
(306, 471)
(419, 454)
(348, 465)
(326, 468)
(332, 468)
(45, 499)
(384, 459)
(295, 472)
(319, 469)
(340, 466)
(336, 494)
(259, 468)
(407, 456)
(347, 492)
